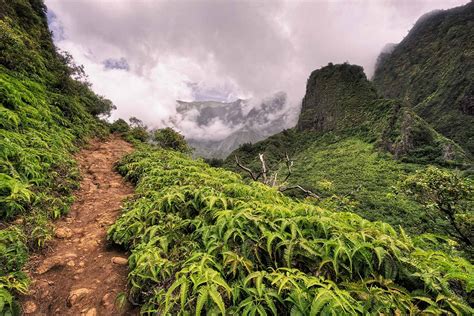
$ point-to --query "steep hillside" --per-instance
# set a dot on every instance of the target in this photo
(44, 115)
(432, 70)
(337, 97)
(246, 122)
(205, 242)
(352, 143)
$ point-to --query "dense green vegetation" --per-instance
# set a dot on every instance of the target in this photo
(203, 241)
(446, 194)
(432, 70)
(44, 115)
(353, 148)
(348, 170)
(171, 139)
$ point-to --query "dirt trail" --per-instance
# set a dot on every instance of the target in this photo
(81, 273)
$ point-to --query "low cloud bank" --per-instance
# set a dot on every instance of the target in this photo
(145, 55)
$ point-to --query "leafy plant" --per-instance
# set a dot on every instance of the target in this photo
(444, 193)
(170, 139)
(205, 242)
(45, 114)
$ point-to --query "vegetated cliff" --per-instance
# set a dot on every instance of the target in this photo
(44, 115)
(339, 98)
(349, 141)
(432, 70)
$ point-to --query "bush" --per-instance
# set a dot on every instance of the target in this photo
(119, 126)
(445, 194)
(170, 139)
(139, 134)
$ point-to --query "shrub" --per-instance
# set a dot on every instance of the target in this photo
(139, 134)
(170, 139)
(119, 126)
(445, 194)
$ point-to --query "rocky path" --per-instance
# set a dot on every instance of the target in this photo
(81, 273)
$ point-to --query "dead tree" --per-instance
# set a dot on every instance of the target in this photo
(271, 178)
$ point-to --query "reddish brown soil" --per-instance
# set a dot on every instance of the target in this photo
(81, 273)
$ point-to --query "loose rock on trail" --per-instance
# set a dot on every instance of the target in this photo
(81, 273)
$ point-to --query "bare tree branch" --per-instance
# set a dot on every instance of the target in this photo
(289, 164)
(275, 179)
(308, 192)
(272, 179)
(254, 177)
(264, 168)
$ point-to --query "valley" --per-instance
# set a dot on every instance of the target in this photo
(358, 201)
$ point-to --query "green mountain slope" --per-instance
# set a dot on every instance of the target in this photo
(352, 143)
(432, 70)
(44, 115)
(205, 242)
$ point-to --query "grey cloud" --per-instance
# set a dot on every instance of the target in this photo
(226, 49)
(112, 63)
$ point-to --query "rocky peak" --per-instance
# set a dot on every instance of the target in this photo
(336, 97)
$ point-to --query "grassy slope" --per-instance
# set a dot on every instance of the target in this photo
(362, 158)
(204, 241)
(44, 115)
(432, 69)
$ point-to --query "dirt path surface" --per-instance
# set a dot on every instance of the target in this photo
(81, 273)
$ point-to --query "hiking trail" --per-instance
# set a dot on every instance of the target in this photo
(81, 273)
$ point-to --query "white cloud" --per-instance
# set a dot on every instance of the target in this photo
(182, 50)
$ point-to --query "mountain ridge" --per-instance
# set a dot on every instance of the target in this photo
(432, 71)
(248, 122)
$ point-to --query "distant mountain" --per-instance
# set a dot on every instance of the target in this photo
(248, 122)
(432, 70)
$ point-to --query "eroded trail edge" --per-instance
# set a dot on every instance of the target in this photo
(81, 273)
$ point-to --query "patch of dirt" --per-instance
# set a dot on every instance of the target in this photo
(81, 273)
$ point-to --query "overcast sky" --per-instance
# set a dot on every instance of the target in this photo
(145, 54)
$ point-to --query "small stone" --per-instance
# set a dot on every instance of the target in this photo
(63, 232)
(71, 263)
(18, 221)
(55, 261)
(119, 260)
(107, 300)
(91, 312)
(29, 307)
(50, 283)
(82, 264)
(77, 295)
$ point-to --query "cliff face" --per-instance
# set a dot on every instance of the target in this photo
(340, 99)
(337, 96)
(432, 70)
